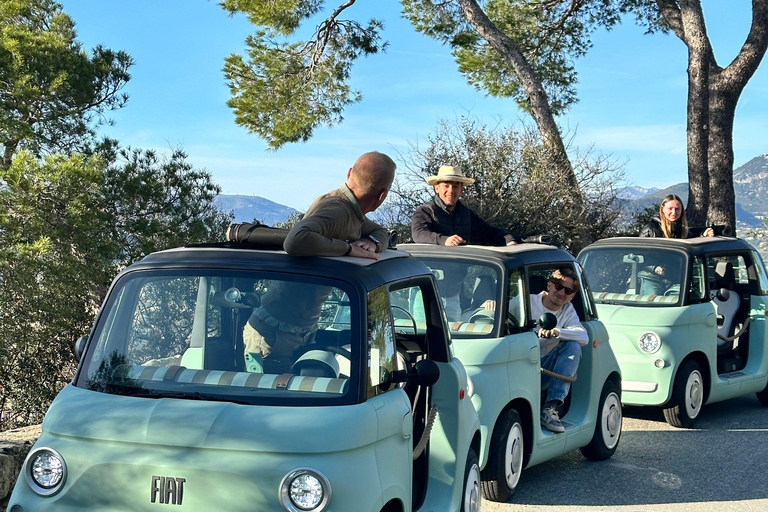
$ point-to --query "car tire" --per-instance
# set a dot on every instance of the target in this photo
(471, 497)
(505, 457)
(763, 396)
(687, 396)
(608, 427)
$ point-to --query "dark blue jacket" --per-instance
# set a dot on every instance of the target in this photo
(432, 223)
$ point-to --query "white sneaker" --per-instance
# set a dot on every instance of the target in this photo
(550, 419)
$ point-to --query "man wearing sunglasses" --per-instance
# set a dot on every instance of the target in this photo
(560, 347)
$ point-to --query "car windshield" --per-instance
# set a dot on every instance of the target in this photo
(225, 335)
(647, 277)
(469, 291)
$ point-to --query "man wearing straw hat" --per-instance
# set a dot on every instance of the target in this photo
(446, 221)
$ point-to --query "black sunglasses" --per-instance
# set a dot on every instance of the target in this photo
(559, 286)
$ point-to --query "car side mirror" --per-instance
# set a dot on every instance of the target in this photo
(426, 372)
(548, 321)
(80, 347)
(723, 294)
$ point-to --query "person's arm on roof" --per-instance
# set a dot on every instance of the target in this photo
(421, 223)
(318, 234)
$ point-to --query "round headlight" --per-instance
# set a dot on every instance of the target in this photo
(305, 489)
(649, 342)
(45, 471)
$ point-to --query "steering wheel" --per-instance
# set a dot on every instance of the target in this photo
(410, 316)
(481, 316)
(673, 290)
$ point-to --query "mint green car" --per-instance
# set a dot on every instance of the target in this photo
(686, 319)
(166, 412)
(485, 293)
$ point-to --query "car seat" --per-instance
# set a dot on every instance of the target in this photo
(537, 284)
(726, 304)
(485, 289)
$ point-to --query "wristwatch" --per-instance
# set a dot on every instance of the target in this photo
(374, 240)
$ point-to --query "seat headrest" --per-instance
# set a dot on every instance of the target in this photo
(538, 284)
(484, 290)
(724, 274)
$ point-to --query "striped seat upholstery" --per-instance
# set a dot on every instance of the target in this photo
(456, 327)
(635, 297)
(471, 328)
(236, 379)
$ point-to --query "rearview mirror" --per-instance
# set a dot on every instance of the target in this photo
(633, 258)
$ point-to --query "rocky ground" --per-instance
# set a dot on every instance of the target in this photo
(14, 446)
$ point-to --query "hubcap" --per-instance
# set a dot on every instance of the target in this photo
(513, 458)
(694, 394)
(472, 490)
(611, 424)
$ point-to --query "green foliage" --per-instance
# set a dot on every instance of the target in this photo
(639, 219)
(283, 90)
(291, 221)
(51, 258)
(156, 202)
(515, 188)
(68, 224)
(52, 93)
(284, 16)
(550, 35)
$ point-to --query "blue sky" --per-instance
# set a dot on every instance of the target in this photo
(632, 90)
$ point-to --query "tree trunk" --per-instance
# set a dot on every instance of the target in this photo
(722, 109)
(537, 97)
(699, 59)
(712, 97)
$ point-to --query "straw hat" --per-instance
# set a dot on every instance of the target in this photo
(449, 173)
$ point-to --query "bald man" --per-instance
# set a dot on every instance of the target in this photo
(336, 225)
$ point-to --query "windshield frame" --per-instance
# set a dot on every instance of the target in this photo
(638, 299)
(458, 329)
(350, 392)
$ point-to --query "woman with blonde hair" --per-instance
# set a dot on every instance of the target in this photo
(671, 221)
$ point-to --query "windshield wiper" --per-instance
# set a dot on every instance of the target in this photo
(197, 395)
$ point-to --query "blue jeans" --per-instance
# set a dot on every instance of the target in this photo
(563, 360)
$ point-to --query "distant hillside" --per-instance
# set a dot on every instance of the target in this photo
(750, 182)
(635, 192)
(248, 208)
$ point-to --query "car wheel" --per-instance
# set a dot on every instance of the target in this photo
(608, 426)
(763, 396)
(505, 458)
(471, 498)
(687, 396)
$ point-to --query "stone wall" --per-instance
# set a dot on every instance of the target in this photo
(14, 446)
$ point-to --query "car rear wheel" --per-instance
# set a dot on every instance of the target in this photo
(505, 458)
(687, 396)
(471, 498)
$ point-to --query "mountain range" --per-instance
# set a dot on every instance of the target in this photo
(750, 182)
(250, 208)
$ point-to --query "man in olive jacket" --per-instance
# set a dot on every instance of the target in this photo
(334, 225)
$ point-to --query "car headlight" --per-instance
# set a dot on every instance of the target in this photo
(305, 489)
(649, 342)
(470, 387)
(45, 471)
